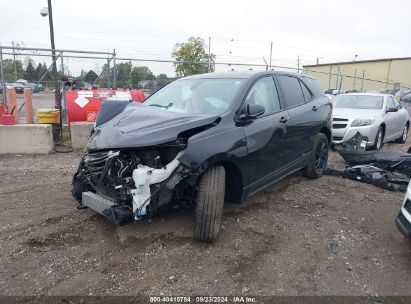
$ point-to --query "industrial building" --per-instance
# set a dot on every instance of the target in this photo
(366, 75)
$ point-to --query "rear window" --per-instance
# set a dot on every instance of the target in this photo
(358, 102)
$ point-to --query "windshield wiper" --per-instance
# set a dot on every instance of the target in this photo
(161, 106)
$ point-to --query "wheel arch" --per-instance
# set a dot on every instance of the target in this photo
(234, 181)
(326, 131)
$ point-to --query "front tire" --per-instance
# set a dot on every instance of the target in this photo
(379, 139)
(210, 204)
(317, 163)
(403, 138)
(78, 188)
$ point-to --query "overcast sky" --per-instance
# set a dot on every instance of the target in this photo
(240, 31)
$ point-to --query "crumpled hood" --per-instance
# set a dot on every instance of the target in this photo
(139, 126)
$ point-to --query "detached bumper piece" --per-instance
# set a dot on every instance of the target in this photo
(120, 215)
(403, 224)
(391, 181)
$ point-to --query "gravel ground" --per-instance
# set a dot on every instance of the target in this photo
(275, 244)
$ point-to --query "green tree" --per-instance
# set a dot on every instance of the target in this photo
(123, 73)
(140, 73)
(8, 67)
(30, 72)
(194, 52)
(90, 77)
(162, 80)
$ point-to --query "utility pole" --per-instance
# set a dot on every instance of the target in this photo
(271, 53)
(298, 64)
(57, 96)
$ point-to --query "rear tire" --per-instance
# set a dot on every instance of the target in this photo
(379, 139)
(403, 138)
(210, 204)
(317, 163)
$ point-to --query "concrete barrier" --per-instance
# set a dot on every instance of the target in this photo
(26, 139)
(80, 133)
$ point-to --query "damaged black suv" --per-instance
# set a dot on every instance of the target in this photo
(203, 140)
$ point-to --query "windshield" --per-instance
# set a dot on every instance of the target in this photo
(196, 96)
(358, 102)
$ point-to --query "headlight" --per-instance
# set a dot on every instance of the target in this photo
(362, 122)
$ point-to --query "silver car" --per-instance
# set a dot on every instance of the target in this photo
(380, 117)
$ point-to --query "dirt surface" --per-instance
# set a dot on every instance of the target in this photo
(276, 244)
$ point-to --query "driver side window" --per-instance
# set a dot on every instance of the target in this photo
(264, 93)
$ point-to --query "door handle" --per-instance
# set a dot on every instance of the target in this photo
(314, 108)
(283, 119)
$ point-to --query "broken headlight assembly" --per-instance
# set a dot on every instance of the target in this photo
(359, 122)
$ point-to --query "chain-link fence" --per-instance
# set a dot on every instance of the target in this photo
(335, 79)
(33, 67)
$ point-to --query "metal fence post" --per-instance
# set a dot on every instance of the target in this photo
(338, 74)
(362, 81)
(63, 91)
(114, 70)
(355, 76)
(2, 79)
(341, 80)
(108, 73)
(329, 77)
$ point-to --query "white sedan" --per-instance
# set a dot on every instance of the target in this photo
(380, 117)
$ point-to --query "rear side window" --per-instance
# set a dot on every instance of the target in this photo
(292, 90)
(313, 85)
(307, 95)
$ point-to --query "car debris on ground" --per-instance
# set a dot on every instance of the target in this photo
(387, 170)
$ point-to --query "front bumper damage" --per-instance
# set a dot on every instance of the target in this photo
(126, 191)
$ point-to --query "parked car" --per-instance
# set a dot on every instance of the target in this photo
(403, 220)
(22, 81)
(406, 98)
(18, 87)
(203, 139)
(380, 117)
(401, 94)
(34, 88)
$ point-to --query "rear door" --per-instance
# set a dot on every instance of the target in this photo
(266, 135)
(305, 118)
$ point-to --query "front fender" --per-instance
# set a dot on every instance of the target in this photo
(209, 145)
(209, 148)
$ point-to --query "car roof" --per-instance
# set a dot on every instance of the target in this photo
(247, 74)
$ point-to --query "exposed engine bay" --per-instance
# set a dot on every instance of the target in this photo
(133, 183)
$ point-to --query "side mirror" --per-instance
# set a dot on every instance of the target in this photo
(252, 112)
(392, 110)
